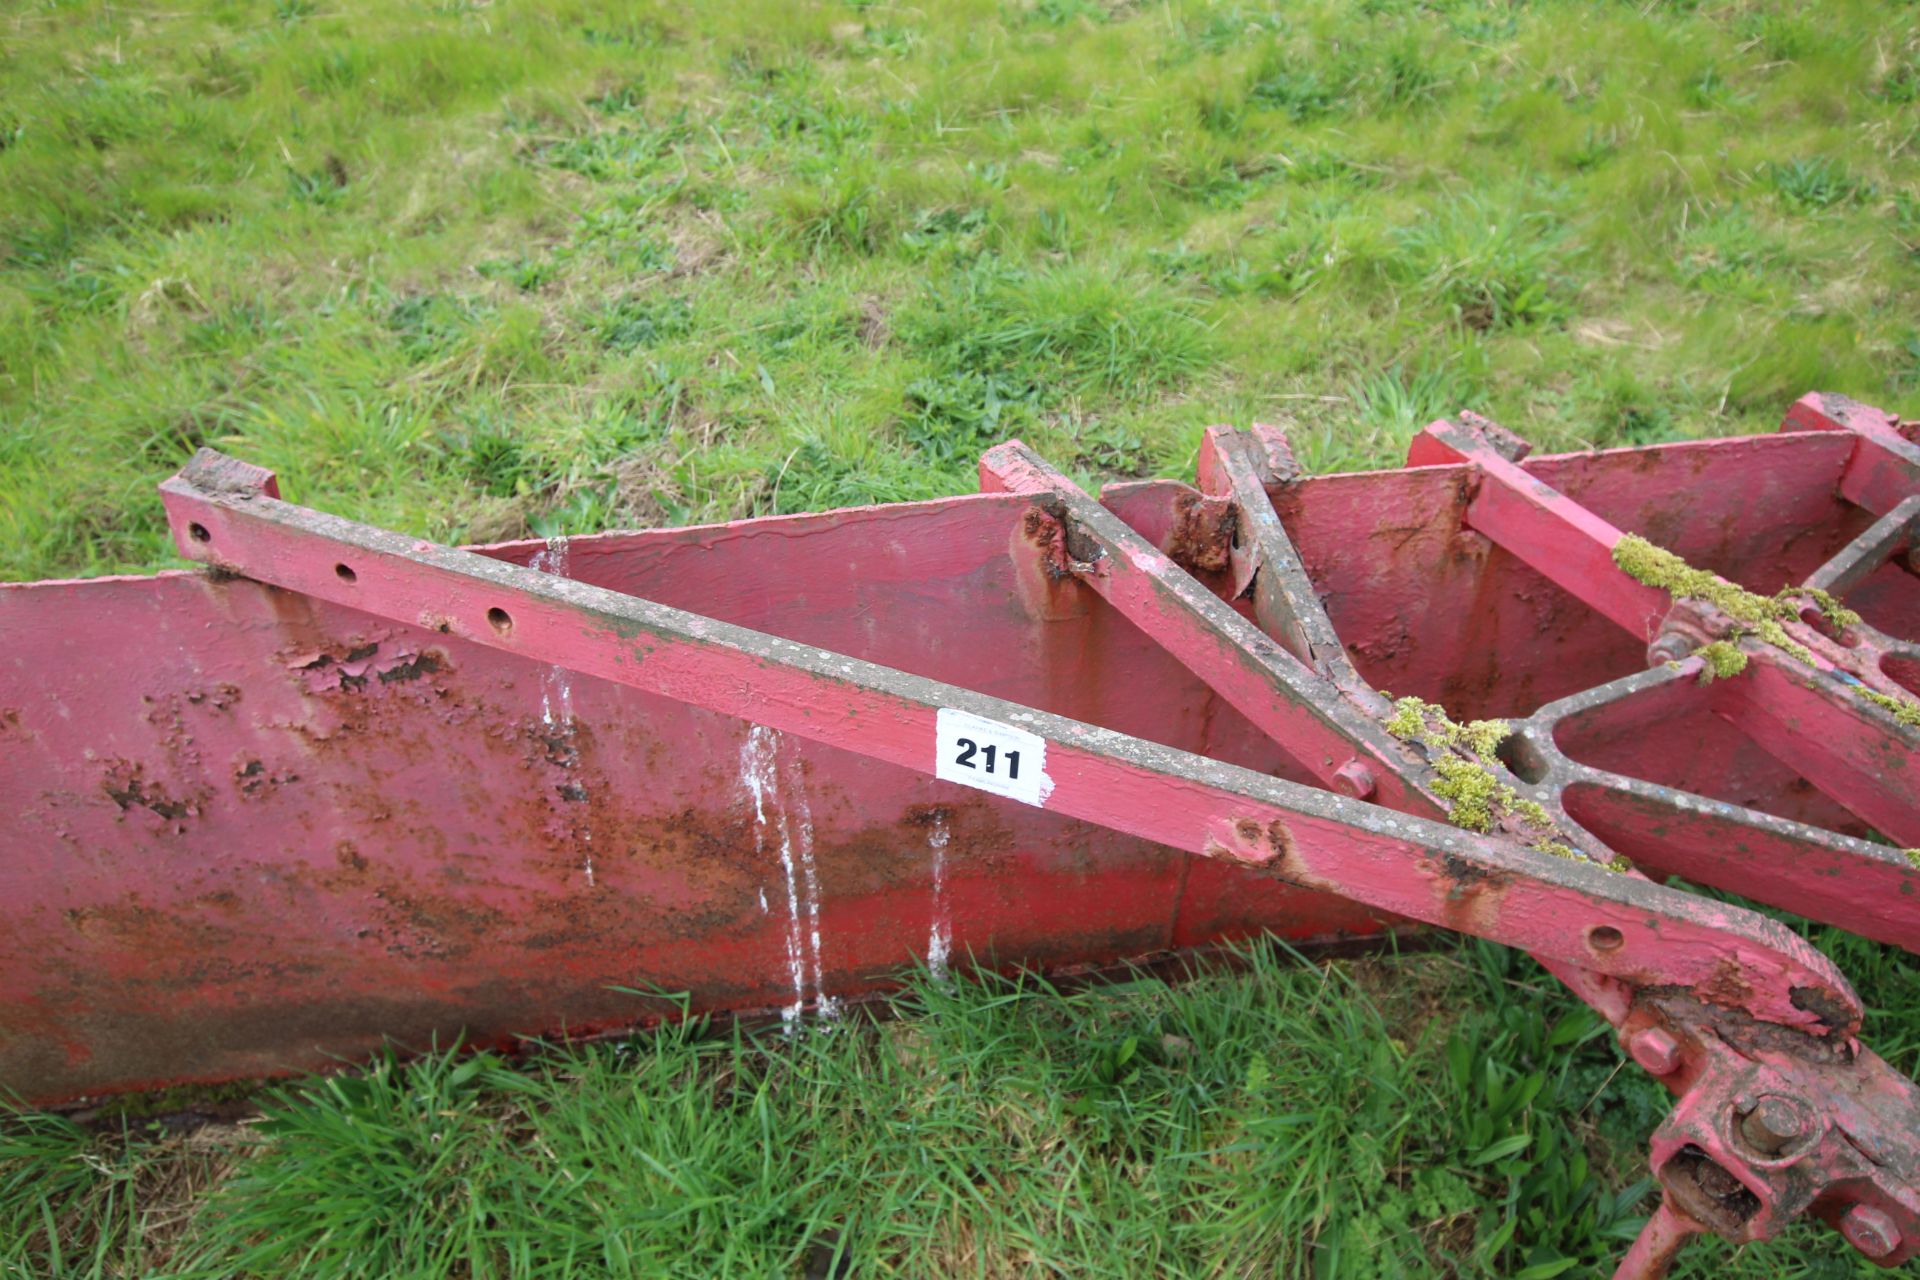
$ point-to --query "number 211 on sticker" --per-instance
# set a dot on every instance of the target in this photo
(991, 756)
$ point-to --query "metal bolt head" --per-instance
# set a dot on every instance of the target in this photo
(1668, 648)
(1776, 1123)
(1870, 1231)
(1354, 779)
(1655, 1050)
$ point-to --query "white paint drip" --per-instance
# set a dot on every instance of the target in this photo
(824, 1004)
(791, 822)
(940, 928)
(556, 682)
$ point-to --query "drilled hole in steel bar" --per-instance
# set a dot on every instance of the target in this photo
(1818, 621)
(1904, 672)
(198, 532)
(1604, 938)
(500, 620)
(1520, 755)
(345, 573)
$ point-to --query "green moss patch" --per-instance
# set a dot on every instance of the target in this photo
(1723, 659)
(1753, 614)
(1757, 614)
(1463, 776)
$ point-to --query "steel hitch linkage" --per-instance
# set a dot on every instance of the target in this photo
(348, 784)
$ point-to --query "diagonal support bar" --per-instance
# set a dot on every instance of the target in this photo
(1241, 466)
(1893, 533)
(1551, 533)
(1283, 697)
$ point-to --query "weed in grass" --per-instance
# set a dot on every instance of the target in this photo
(1398, 403)
(1497, 268)
(1901, 85)
(640, 322)
(529, 275)
(1406, 76)
(1303, 90)
(1818, 183)
(1710, 90)
(1073, 328)
(839, 215)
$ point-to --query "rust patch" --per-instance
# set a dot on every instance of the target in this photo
(1049, 536)
(927, 815)
(1728, 984)
(1833, 1012)
(411, 668)
(1470, 895)
(220, 698)
(256, 781)
(1707, 1193)
(1675, 1006)
(127, 785)
(1203, 532)
(1282, 841)
(349, 667)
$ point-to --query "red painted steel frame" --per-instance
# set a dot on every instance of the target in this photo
(409, 790)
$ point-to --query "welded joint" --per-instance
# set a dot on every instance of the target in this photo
(1893, 537)
(1885, 465)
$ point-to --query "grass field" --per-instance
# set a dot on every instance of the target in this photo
(476, 270)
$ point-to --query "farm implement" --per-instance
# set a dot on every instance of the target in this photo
(341, 785)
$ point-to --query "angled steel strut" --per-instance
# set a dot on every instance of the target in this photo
(337, 786)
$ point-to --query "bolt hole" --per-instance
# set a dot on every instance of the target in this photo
(1819, 622)
(1518, 752)
(345, 573)
(198, 532)
(1904, 672)
(500, 620)
(1605, 938)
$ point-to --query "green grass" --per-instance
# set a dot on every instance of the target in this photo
(482, 269)
(478, 270)
(1443, 1115)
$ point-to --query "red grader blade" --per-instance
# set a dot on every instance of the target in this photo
(344, 785)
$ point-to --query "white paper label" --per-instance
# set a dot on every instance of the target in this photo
(991, 756)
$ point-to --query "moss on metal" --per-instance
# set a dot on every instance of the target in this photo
(1757, 614)
(1753, 614)
(1837, 614)
(1907, 713)
(1476, 799)
(1723, 659)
